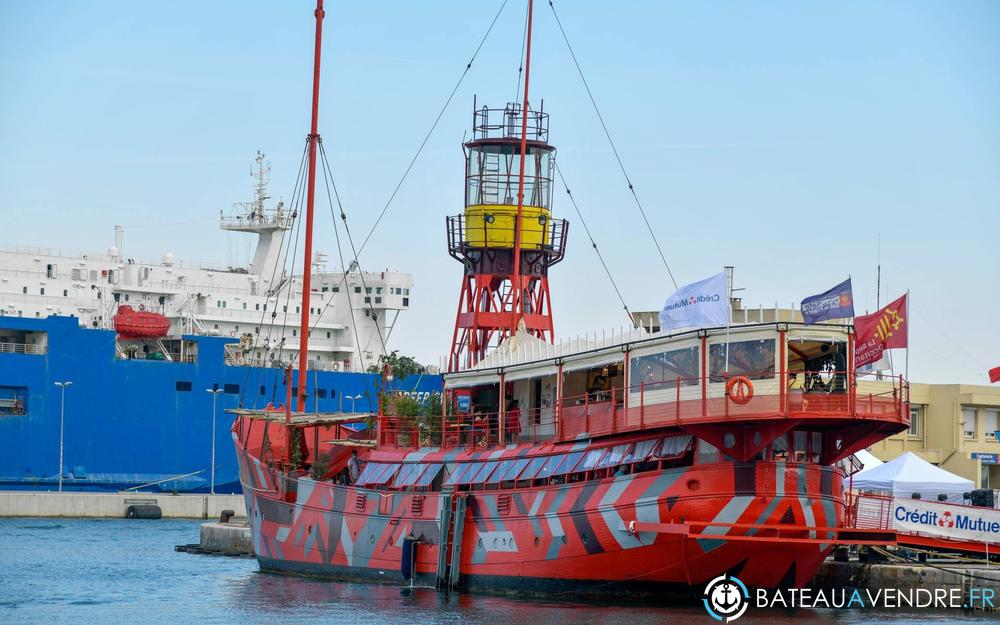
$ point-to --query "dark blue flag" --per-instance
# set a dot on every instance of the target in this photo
(837, 303)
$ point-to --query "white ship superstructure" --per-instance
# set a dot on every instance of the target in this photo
(351, 317)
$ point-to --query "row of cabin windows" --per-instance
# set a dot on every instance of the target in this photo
(553, 469)
(41, 291)
(229, 389)
(321, 393)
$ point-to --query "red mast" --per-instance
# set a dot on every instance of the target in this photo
(300, 404)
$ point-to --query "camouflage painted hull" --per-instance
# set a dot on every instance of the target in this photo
(573, 538)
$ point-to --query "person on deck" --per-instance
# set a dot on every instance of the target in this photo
(354, 466)
(513, 424)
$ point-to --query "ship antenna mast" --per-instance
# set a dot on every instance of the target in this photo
(517, 309)
(310, 201)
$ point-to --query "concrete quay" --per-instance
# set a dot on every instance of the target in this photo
(906, 577)
(230, 539)
(115, 505)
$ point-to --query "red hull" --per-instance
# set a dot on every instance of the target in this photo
(570, 537)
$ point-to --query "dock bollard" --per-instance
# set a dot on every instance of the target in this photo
(226, 516)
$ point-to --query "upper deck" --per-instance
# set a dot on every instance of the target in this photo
(739, 390)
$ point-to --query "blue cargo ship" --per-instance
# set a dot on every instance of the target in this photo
(134, 421)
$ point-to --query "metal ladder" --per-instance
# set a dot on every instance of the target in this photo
(452, 523)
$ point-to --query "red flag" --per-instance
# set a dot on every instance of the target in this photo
(875, 333)
(994, 375)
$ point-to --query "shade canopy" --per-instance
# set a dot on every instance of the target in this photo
(868, 461)
(909, 474)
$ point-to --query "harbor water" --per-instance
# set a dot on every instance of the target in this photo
(121, 571)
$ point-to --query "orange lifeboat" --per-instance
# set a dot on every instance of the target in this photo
(139, 324)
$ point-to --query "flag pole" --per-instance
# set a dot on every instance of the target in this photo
(906, 365)
(729, 314)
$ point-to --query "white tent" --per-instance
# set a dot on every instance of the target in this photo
(868, 461)
(909, 474)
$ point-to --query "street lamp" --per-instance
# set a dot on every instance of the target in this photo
(354, 399)
(62, 419)
(215, 395)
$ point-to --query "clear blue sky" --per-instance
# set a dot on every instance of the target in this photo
(779, 137)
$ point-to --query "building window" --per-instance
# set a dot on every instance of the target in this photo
(126, 297)
(378, 300)
(916, 421)
(406, 301)
(969, 421)
(244, 305)
(367, 313)
(295, 332)
(325, 289)
(24, 290)
(263, 389)
(183, 386)
(406, 291)
(231, 389)
(336, 289)
(357, 289)
(98, 295)
(256, 306)
(368, 300)
(41, 291)
(378, 290)
(298, 309)
(991, 423)
(284, 309)
(321, 393)
(327, 335)
(65, 293)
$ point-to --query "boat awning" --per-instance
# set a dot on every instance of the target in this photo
(591, 361)
(524, 373)
(468, 379)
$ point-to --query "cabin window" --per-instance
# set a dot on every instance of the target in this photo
(263, 390)
(513, 470)
(428, 476)
(461, 473)
(501, 472)
(815, 447)
(799, 442)
(707, 453)
(548, 469)
(779, 447)
(643, 450)
(569, 463)
(615, 456)
(661, 371)
(183, 386)
(321, 393)
(675, 446)
(409, 474)
(231, 389)
(531, 470)
(591, 459)
(483, 473)
(752, 359)
(371, 469)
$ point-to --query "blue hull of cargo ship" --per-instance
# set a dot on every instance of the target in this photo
(133, 422)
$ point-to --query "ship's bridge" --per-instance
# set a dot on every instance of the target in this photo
(765, 389)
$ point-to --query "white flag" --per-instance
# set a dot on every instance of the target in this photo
(698, 305)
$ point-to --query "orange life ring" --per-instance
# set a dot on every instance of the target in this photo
(271, 408)
(739, 390)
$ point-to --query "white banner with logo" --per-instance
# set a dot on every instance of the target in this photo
(698, 305)
(949, 521)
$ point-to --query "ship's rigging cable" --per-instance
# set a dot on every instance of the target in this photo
(416, 155)
(593, 244)
(614, 149)
(340, 254)
(328, 172)
(520, 59)
(437, 120)
(282, 248)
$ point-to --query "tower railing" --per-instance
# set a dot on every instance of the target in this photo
(505, 123)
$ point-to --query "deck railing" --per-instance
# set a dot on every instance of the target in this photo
(668, 403)
(22, 348)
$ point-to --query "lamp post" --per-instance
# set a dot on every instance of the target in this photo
(215, 395)
(354, 399)
(62, 419)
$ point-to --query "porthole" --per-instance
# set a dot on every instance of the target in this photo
(693, 484)
(729, 440)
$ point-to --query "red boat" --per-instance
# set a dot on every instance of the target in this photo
(140, 324)
(639, 464)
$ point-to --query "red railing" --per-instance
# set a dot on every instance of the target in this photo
(659, 404)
